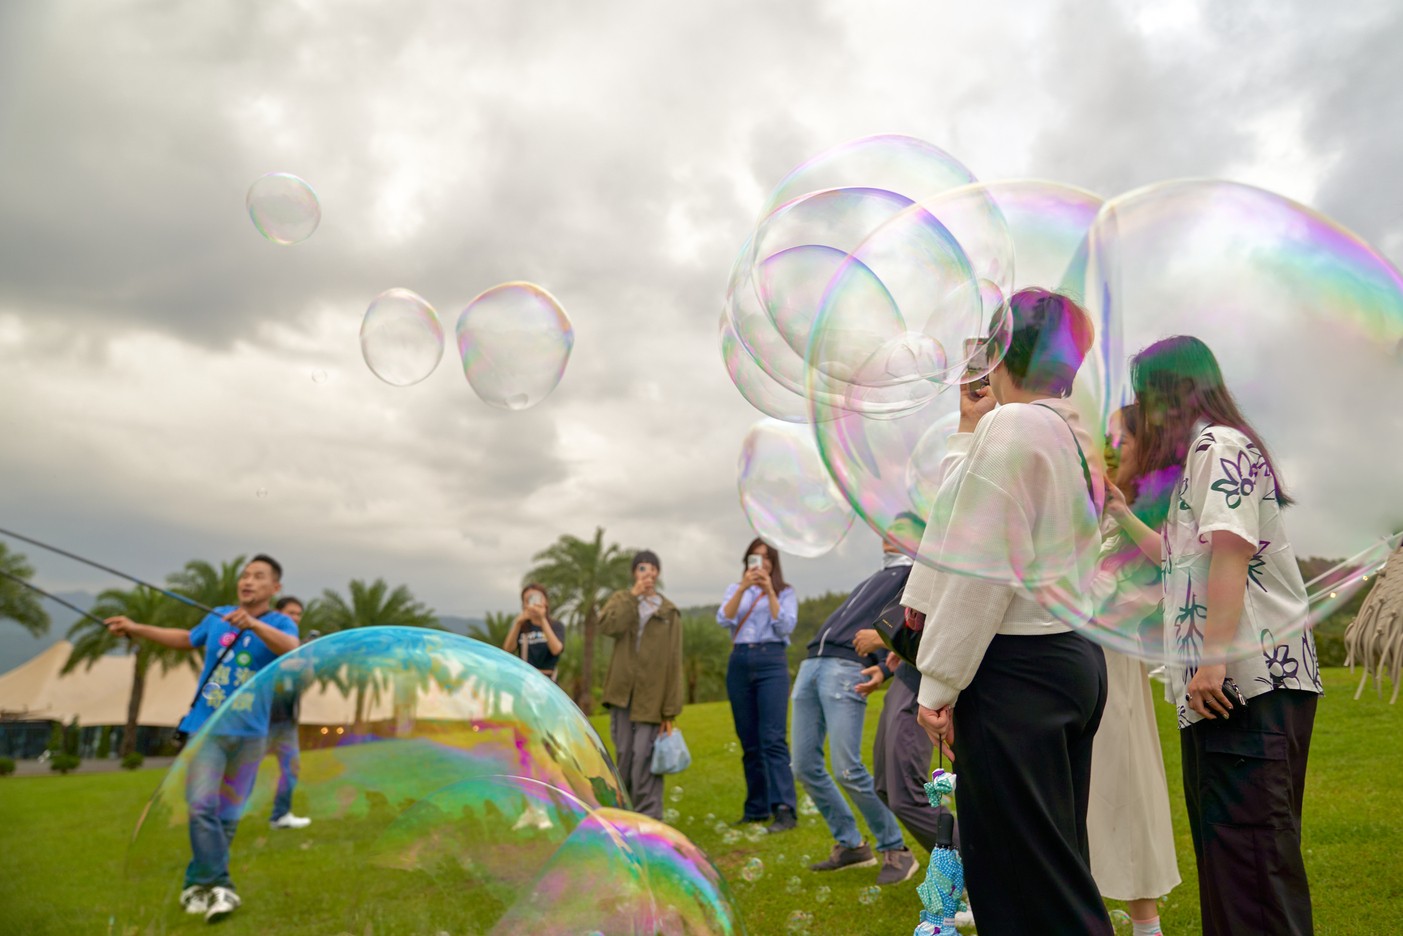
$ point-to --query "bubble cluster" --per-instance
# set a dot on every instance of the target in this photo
(799, 921)
(401, 338)
(788, 497)
(514, 341)
(454, 789)
(283, 208)
(877, 278)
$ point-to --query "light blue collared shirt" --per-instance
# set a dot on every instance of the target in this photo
(759, 627)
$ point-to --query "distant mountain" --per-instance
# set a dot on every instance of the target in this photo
(16, 646)
(462, 625)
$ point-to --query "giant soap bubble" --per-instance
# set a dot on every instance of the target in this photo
(890, 463)
(401, 338)
(788, 497)
(283, 208)
(514, 341)
(452, 788)
(1303, 316)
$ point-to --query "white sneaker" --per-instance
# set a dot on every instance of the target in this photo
(195, 899)
(222, 902)
(964, 919)
(289, 821)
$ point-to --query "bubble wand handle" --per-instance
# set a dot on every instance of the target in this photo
(184, 599)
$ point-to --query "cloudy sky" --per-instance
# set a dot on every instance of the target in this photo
(158, 355)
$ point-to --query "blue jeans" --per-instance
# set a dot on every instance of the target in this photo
(825, 702)
(217, 784)
(757, 682)
(282, 744)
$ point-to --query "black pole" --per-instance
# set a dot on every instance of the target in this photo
(177, 596)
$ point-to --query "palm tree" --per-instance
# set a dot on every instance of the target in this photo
(92, 641)
(496, 625)
(370, 606)
(580, 574)
(206, 584)
(18, 603)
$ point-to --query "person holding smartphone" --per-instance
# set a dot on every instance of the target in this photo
(535, 636)
(643, 686)
(1007, 684)
(1246, 680)
(761, 611)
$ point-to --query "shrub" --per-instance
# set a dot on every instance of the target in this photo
(132, 761)
(63, 763)
(7, 766)
(104, 742)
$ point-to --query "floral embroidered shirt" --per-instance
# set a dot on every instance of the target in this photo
(1229, 486)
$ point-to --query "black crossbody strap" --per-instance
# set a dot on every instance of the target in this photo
(1081, 456)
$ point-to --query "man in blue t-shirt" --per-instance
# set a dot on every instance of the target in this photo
(237, 642)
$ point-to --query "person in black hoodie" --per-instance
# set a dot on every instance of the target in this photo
(830, 697)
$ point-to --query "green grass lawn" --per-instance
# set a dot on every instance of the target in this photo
(63, 843)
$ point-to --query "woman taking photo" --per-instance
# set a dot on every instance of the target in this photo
(760, 611)
(1004, 680)
(1244, 677)
(534, 635)
(1128, 825)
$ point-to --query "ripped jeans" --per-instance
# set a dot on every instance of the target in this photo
(825, 703)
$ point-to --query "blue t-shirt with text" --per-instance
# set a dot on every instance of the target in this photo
(247, 654)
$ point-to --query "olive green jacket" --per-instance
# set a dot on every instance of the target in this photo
(644, 676)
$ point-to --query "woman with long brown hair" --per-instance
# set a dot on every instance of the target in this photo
(1128, 827)
(1245, 676)
(761, 611)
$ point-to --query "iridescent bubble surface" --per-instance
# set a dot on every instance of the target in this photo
(401, 338)
(434, 766)
(1291, 304)
(514, 341)
(283, 207)
(788, 496)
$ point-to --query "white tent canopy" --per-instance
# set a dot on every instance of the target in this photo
(39, 690)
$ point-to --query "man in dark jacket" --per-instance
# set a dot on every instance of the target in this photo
(830, 696)
(643, 686)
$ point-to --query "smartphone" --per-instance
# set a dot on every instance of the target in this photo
(754, 561)
(1235, 694)
(536, 599)
(977, 357)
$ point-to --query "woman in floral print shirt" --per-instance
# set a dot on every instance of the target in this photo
(1235, 613)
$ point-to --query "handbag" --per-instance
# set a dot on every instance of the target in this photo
(670, 754)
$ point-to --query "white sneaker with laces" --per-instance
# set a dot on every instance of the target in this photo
(222, 902)
(289, 821)
(195, 899)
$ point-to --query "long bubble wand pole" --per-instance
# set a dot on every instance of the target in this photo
(54, 598)
(184, 599)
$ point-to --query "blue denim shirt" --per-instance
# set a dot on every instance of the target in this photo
(759, 627)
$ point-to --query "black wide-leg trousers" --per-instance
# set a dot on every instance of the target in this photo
(1023, 733)
(1244, 779)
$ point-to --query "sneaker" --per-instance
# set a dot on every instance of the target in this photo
(964, 919)
(843, 857)
(222, 902)
(195, 899)
(747, 820)
(289, 821)
(897, 865)
(784, 821)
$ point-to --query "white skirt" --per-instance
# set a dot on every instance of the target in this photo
(1128, 827)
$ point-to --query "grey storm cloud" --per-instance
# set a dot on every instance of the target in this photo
(159, 352)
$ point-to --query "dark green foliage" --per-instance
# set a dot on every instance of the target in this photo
(56, 738)
(72, 736)
(104, 742)
(7, 766)
(133, 760)
(63, 763)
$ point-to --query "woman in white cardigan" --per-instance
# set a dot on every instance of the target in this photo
(1005, 568)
